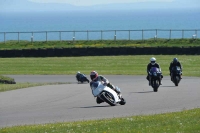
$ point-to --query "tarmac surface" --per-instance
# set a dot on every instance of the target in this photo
(75, 102)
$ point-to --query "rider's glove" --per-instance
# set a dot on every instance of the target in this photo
(105, 84)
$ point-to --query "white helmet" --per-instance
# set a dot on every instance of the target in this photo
(78, 72)
(153, 60)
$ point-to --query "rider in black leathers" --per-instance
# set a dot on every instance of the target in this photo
(174, 63)
(153, 64)
(79, 76)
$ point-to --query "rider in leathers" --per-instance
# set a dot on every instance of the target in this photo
(95, 77)
(79, 76)
(153, 64)
(174, 63)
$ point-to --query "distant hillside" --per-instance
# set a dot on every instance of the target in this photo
(25, 5)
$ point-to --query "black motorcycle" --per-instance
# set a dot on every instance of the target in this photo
(154, 77)
(81, 78)
(176, 75)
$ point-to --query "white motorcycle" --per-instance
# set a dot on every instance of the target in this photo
(107, 94)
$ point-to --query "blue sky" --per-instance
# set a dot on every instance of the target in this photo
(63, 5)
(96, 2)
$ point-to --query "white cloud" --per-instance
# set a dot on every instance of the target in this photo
(95, 2)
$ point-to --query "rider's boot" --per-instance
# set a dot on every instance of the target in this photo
(149, 83)
(171, 76)
(160, 83)
(115, 89)
(98, 100)
(118, 92)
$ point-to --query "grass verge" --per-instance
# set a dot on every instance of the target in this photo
(8, 87)
(186, 121)
(105, 65)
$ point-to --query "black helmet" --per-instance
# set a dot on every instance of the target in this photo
(175, 60)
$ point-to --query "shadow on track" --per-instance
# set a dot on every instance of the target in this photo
(143, 92)
(95, 106)
(168, 86)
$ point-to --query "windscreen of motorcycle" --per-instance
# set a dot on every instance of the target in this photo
(154, 69)
(176, 68)
(95, 85)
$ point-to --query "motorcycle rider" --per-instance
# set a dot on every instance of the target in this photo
(174, 63)
(153, 64)
(79, 76)
(95, 77)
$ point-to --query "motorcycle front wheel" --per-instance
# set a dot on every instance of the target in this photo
(122, 102)
(155, 85)
(176, 80)
(108, 98)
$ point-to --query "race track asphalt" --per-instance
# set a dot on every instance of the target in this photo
(74, 102)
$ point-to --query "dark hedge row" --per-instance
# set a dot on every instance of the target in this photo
(7, 81)
(61, 52)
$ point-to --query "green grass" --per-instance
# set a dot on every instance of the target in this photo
(186, 121)
(100, 43)
(105, 65)
(9, 87)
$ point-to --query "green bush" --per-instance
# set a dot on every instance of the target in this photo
(6, 80)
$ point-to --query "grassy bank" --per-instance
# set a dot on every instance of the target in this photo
(179, 122)
(100, 43)
(9, 87)
(106, 65)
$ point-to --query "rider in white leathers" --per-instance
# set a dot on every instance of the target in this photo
(95, 77)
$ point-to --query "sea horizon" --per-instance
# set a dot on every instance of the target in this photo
(98, 20)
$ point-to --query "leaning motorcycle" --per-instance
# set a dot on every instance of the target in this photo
(82, 78)
(154, 76)
(176, 75)
(107, 94)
